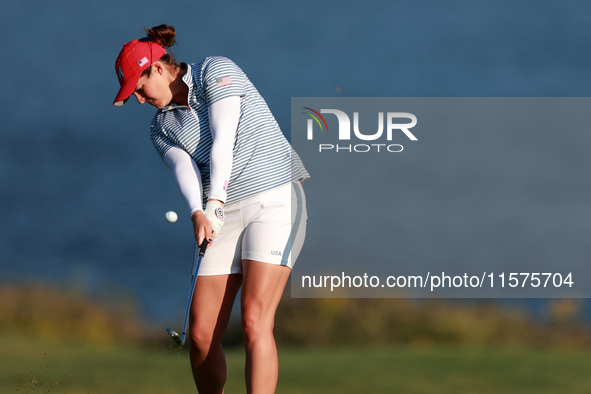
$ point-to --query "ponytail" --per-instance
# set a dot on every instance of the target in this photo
(164, 36)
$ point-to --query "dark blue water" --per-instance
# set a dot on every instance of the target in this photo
(83, 192)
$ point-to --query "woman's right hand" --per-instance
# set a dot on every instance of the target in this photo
(202, 227)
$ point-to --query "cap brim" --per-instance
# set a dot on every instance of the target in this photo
(125, 91)
(120, 103)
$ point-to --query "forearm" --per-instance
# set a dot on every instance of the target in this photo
(224, 116)
(187, 176)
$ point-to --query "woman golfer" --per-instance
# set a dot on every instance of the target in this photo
(242, 183)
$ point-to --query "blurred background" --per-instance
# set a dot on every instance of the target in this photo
(91, 273)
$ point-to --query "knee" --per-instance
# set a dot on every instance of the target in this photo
(201, 339)
(255, 326)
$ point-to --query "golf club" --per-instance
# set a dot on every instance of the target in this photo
(180, 339)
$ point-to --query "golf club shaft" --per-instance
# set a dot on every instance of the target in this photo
(202, 249)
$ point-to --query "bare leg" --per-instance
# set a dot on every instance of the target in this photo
(262, 288)
(210, 312)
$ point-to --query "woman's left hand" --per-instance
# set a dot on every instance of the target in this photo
(214, 212)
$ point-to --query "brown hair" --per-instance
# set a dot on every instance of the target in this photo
(163, 35)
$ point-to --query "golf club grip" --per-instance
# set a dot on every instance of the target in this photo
(203, 247)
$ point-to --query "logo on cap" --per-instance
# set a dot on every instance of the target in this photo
(143, 62)
(120, 73)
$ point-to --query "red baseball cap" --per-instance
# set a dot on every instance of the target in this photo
(134, 58)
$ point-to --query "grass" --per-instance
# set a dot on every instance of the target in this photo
(38, 366)
(68, 342)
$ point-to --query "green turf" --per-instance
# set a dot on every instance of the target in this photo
(36, 366)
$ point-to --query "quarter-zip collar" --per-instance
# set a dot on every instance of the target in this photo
(188, 80)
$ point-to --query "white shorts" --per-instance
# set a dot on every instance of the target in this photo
(269, 227)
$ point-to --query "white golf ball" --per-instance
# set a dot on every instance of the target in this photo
(171, 216)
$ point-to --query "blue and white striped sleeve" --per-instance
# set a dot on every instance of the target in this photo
(222, 78)
(160, 141)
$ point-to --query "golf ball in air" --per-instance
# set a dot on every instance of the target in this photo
(171, 216)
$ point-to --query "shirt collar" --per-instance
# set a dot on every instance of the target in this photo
(188, 80)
